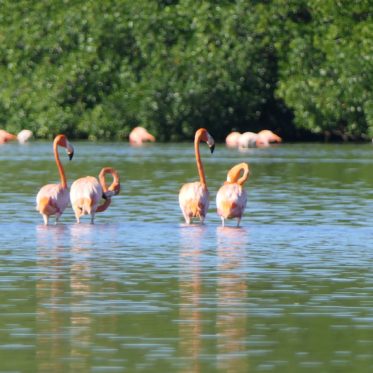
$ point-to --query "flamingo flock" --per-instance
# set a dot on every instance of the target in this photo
(89, 195)
(261, 139)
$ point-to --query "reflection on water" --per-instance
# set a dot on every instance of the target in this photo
(232, 299)
(289, 291)
(51, 287)
(190, 285)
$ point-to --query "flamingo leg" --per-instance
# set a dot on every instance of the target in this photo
(45, 218)
(238, 222)
(187, 218)
(92, 218)
(58, 217)
(222, 221)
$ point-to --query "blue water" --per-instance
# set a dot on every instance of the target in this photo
(289, 291)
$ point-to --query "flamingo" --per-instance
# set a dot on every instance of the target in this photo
(232, 139)
(231, 197)
(86, 193)
(6, 136)
(139, 134)
(248, 140)
(194, 197)
(52, 199)
(269, 136)
(22, 136)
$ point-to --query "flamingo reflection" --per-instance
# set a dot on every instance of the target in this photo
(232, 299)
(190, 327)
(64, 321)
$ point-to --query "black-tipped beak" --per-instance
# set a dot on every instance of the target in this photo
(70, 155)
(212, 147)
(104, 196)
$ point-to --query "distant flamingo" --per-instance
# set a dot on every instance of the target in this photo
(52, 199)
(194, 197)
(269, 136)
(6, 136)
(232, 139)
(251, 139)
(86, 193)
(22, 136)
(139, 134)
(231, 197)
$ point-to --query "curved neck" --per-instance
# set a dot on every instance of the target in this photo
(201, 171)
(104, 206)
(114, 185)
(59, 164)
(235, 171)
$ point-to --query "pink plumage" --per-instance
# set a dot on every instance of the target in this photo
(194, 197)
(231, 198)
(52, 199)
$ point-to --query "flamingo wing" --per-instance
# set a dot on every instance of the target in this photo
(194, 201)
(231, 201)
(52, 199)
(85, 194)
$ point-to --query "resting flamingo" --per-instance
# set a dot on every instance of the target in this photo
(139, 135)
(86, 193)
(52, 199)
(194, 197)
(6, 136)
(269, 136)
(22, 136)
(231, 197)
(232, 139)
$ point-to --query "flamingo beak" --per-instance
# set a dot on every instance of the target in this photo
(212, 147)
(70, 154)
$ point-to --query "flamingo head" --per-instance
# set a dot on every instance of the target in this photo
(203, 135)
(62, 140)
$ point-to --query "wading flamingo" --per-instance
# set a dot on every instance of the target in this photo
(231, 197)
(22, 136)
(52, 199)
(6, 136)
(269, 136)
(86, 193)
(194, 197)
(232, 139)
(139, 135)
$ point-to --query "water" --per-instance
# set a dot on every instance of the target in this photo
(291, 290)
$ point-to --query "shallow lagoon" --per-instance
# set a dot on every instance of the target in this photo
(289, 291)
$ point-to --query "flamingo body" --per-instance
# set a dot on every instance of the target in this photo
(231, 198)
(85, 196)
(269, 136)
(231, 201)
(139, 135)
(194, 197)
(87, 192)
(52, 199)
(6, 136)
(194, 201)
(232, 139)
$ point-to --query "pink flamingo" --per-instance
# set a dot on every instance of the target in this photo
(6, 136)
(194, 197)
(269, 136)
(86, 193)
(139, 134)
(231, 197)
(232, 139)
(250, 139)
(52, 199)
(22, 136)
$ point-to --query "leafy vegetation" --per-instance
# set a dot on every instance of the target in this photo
(96, 69)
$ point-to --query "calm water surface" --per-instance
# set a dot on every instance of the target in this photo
(289, 291)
